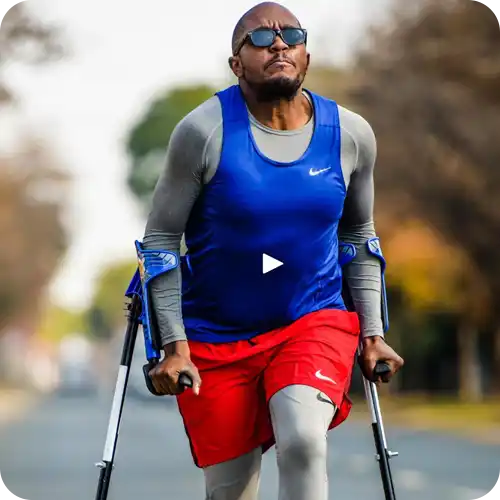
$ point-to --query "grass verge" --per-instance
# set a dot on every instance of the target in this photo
(13, 403)
(477, 421)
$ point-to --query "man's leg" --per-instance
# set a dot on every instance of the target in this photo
(306, 384)
(236, 479)
(227, 422)
(301, 416)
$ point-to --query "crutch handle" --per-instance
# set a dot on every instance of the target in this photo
(184, 379)
(381, 369)
(149, 382)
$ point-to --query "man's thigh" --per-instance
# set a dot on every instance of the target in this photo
(300, 410)
(236, 479)
(229, 417)
(320, 353)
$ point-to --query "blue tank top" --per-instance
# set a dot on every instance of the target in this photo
(254, 206)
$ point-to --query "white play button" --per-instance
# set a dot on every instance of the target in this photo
(269, 263)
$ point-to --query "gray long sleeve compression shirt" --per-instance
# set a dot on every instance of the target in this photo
(192, 159)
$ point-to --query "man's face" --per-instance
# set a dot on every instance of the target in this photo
(272, 72)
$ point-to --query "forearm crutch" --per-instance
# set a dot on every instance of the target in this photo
(135, 317)
(347, 253)
(383, 454)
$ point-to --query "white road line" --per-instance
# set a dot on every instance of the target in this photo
(468, 494)
(408, 479)
(360, 463)
(411, 480)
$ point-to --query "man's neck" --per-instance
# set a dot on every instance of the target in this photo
(283, 114)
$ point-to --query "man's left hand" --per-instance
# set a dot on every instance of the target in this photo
(376, 349)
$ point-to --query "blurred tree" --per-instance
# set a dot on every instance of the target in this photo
(106, 312)
(437, 278)
(57, 322)
(32, 190)
(26, 40)
(433, 275)
(430, 86)
(32, 194)
(148, 139)
(332, 82)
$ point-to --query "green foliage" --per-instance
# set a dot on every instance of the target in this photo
(148, 139)
(106, 312)
(57, 322)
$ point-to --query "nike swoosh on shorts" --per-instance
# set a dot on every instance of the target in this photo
(319, 375)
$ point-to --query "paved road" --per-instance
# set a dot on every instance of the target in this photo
(50, 455)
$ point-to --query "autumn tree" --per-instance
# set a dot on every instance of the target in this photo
(23, 39)
(430, 86)
(32, 194)
(32, 184)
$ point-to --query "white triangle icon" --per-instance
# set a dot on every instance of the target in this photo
(269, 263)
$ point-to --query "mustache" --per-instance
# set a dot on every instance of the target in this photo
(280, 59)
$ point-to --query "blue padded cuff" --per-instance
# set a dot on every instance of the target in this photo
(373, 245)
(347, 253)
(152, 263)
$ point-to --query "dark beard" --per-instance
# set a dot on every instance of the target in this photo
(277, 89)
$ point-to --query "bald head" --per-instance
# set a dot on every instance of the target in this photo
(252, 17)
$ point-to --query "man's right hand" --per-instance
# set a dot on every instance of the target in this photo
(177, 360)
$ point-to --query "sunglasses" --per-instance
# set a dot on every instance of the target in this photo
(265, 37)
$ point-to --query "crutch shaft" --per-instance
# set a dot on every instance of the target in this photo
(383, 454)
(383, 461)
(104, 480)
(106, 465)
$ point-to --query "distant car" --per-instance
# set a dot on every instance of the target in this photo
(77, 379)
(76, 372)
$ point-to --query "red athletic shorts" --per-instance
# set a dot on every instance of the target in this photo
(230, 415)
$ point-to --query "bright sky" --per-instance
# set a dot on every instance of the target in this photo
(122, 54)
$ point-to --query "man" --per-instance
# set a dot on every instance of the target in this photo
(266, 167)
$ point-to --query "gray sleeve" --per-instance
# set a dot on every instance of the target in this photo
(357, 226)
(177, 189)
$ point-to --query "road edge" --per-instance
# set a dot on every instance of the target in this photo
(478, 434)
(14, 403)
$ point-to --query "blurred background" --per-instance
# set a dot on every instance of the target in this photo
(89, 95)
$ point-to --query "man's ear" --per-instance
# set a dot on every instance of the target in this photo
(308, 60)
(235, 65)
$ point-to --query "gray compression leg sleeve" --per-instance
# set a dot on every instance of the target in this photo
(301, 416)
(237, 479)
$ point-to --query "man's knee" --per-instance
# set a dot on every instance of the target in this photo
(301, 416)
(237, 479)
(302, 447)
